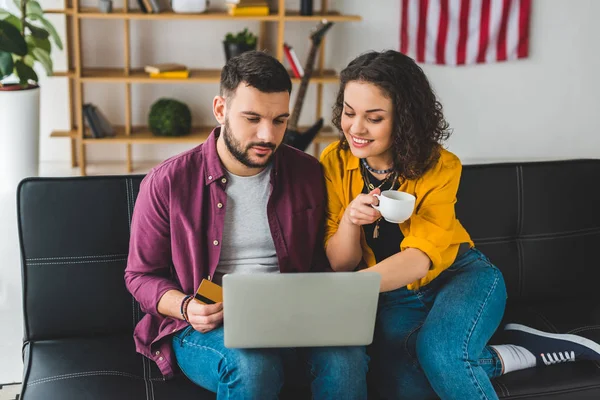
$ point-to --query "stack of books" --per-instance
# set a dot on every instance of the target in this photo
(167, 70)
(247, 8)
(96, 122)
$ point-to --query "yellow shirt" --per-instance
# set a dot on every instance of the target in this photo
(433, 228)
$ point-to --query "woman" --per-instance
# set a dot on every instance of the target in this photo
(442, 299)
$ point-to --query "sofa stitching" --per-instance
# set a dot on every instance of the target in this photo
(538, 236)
(75, 257)
(81, 375)
(504, 388)
(584, 328)
(79, 262)
(520, 218)
(496, 381)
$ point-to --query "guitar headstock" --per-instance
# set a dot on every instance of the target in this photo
(317, 35)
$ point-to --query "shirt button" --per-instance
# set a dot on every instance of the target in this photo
(210, 177)
(160, 358)
(157, 353)
(216, 242)
(220, 205)
(224, 180)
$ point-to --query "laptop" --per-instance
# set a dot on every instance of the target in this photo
(300, 309)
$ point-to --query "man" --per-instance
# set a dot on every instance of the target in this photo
(240, 202)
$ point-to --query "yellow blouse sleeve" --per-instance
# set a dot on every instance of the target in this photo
(333, 184)
(432, 226)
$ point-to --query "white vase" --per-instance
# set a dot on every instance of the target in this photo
(19, 136)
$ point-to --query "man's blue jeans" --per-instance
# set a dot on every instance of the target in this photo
(432, 342)
(333, 372)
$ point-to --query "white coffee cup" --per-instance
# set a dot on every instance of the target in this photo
(395, 206)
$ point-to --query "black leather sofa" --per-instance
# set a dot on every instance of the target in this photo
(539, 222)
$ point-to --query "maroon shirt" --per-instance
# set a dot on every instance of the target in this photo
(177, 227)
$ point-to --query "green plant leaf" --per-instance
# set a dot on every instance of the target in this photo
(38, 32)
(14, 21)
(52, 31)
(29, 60)
(4, 13)
(34, 10)
(11, 39)
(6, 64)
(33, 41)
(44, 58)
(25, 73)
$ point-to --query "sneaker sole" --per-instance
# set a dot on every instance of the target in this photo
(590, 344)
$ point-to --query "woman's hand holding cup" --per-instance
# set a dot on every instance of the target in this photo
(360, 211)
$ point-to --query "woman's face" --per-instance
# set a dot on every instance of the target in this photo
(367, 119)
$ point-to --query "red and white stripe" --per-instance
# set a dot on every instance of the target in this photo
(457, 32)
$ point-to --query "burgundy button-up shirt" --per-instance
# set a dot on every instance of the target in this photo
(177, 228)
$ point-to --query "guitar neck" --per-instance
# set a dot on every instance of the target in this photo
(308, 70)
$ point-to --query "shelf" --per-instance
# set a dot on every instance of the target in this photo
(118, 13)
(290, 16)
(142, 135)
(67, 11)
(64, 134)
(63, 74)
(331, 16)
(196, 76)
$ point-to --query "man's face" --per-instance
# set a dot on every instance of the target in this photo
(254, 124)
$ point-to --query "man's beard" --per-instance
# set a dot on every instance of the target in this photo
(243, 155)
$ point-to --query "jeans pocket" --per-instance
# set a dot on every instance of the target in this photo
(181, 336)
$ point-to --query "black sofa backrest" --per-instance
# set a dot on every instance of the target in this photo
(539, 222)
(74, 235)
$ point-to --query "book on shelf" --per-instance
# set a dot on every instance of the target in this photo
(164, 67)
(171, 74)
(293, 60)
(255, 10)
(97, 122)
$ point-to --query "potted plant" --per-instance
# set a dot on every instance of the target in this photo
(24, 41)
(237, 44)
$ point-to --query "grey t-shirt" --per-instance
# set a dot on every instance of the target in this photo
(247, 245)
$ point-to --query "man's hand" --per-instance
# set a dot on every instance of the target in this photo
(360, 211)
(205, 317)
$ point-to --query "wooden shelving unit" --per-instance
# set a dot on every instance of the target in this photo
(129, 135)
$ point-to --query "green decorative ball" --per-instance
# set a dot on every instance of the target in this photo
(169, 117)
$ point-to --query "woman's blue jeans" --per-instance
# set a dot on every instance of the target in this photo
(432, 342)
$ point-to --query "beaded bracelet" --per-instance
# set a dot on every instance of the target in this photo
(184, 304)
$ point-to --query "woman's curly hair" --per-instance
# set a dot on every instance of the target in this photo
(419, 126)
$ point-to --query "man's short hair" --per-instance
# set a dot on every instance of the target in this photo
(256, 69)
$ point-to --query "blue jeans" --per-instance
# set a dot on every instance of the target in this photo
(333, 372)
(432, 341)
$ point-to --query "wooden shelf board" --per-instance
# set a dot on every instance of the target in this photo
(331, 16)
(196, 76)
(118, 13)
(142, 135)
(67, 11)
(63, 74)
(63, 134)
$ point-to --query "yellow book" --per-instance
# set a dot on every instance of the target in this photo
(253, 11)
(171, 74)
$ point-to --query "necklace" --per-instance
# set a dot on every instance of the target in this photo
(375, 171)
(391, 176)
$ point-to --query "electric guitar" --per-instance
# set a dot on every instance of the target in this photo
(293, 137)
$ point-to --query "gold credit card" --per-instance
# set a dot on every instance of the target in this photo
(209, 292)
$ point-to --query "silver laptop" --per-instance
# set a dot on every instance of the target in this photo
(300, 309)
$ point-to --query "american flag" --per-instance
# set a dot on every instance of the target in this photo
(458, 32)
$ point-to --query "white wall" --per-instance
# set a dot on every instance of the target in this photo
(542, 107)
